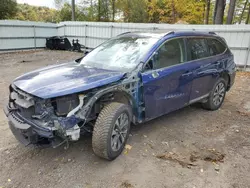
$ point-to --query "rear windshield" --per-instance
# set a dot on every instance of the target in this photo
(122, 53)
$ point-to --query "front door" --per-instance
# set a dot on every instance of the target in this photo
(167, 79)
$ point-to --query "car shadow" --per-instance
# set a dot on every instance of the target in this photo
(186, 111)
(82, 149)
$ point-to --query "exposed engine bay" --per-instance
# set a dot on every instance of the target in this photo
(58, 120)
(56, 115)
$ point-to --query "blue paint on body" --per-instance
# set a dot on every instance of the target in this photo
(64, 79)
(173, 88)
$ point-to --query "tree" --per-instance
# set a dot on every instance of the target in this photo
(90, 9)
(113, 7)
(231, 9)
(65, 12)
(133, 10)
(158, 11)
(103, 10)
(154, 11)
(172, 11)
(243, 10)
(34, 13)
(219, 11)
(59, 3)
(99, 10)
(7, 9)
(248, 15)
(207, 11)
(239, 15)
(191, 11)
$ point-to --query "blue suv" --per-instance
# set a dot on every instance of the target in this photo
(131, 78)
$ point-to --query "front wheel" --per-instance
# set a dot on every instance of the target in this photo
(111, 130)
(216, 96)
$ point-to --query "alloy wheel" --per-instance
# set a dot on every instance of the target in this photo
(119, 132)
(219, 94)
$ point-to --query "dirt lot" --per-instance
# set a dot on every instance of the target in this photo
(189, 148)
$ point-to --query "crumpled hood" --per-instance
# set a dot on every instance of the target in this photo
(64, 79)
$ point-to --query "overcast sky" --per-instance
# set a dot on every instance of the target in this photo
(47, 3)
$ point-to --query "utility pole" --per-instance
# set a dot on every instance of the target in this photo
(73, 10)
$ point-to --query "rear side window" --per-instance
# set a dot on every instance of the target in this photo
(215, 47)
(197, 48)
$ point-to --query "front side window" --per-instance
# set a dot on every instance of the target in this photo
(215, 47)
(170, 53)
(197, 48)
(121, 53)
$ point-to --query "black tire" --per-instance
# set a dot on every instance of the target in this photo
(105, 127)
(210, 104)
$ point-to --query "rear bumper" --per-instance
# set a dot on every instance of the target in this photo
(29, 133)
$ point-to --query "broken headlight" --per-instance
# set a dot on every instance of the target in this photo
(63, 105)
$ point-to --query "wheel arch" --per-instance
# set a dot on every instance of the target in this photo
(121, 96)
(226, 77)
(114, 94)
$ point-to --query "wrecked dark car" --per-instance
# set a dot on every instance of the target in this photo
(129, 79)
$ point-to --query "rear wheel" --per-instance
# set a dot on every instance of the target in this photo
(111, 130)
(216, 96)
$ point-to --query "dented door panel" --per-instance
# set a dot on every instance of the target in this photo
(168, 91)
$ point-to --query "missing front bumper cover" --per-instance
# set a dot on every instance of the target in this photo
(29, 134)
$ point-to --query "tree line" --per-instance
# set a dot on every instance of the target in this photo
(137, 11)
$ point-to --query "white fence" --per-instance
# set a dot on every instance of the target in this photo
(21, 35)
(16, 35)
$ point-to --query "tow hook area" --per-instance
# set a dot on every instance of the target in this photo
(74, 132)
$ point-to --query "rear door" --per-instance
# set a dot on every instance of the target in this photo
(207, 61)
(167, 80)
(198, 54)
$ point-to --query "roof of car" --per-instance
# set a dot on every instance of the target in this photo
(162, 33)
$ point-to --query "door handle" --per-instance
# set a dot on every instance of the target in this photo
(187, 74)
(155, 74)
(217, 64)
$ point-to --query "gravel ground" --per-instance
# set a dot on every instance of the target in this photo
(189, 148)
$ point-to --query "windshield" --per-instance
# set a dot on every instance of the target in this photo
(122, 53)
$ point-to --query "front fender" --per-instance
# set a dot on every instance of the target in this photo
(122, 88)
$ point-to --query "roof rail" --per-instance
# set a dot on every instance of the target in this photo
(124, 33)
(212, 33)
(168, 33)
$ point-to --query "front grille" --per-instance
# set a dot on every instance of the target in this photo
(25, 112)
(13, 114)
(18, 98)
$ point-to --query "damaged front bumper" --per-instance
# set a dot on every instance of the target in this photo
(38, 122)
(29, 133)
